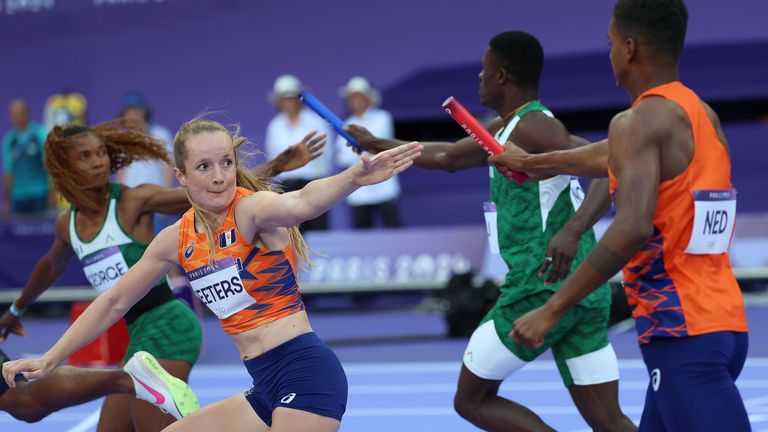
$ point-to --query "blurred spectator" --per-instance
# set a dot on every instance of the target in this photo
(26, 181)
(134, 106)
(65, 109)
(382, 198)
(289, 127)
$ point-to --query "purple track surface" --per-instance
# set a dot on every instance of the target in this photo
(402, 374)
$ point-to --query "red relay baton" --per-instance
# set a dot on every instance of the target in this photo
(474, 129)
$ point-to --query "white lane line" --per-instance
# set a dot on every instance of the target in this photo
(763, 400)
(449, 388)
(447, 411)
(68, 415)
(87, 423)
(409, 368)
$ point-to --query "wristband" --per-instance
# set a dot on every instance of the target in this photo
(15, 311)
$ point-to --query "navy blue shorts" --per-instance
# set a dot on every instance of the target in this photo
(303, 374)
(693, 385)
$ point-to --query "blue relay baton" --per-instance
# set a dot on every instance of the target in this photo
(315, 105)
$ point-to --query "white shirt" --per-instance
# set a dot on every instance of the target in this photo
(281, 134)
(140, 172)
(379, 123)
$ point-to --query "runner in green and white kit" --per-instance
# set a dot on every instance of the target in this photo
(536, 221)
(528, 216)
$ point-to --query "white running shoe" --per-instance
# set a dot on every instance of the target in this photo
(156, 386)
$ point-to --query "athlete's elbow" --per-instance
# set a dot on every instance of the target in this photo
(638, 232)
(117, 302)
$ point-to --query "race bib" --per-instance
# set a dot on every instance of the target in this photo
(713, 222)
(220, 288)
(491, 227)
(104, 268)
(577, 194)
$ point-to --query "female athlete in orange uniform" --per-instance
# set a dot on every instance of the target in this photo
(240, 248)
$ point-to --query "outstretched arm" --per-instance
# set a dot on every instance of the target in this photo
(174, 200)
(106, 309)
(270, 210)
(443, 156)
(48, 268)
(584, 161)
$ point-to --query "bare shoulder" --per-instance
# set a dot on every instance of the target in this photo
(166, 244)
(257, 199)
(141, 192)
(61, 227)
(713, 117)
(537, 122)
(651, 120)
(539, 133)
(495, 125)
(249, 208)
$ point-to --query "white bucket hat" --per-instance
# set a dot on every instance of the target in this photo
(360, 84)
(285, 86)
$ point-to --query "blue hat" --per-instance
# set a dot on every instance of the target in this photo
(134, 99)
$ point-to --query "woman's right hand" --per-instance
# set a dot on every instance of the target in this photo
(10, 324)
(386, 164)
(30, 368)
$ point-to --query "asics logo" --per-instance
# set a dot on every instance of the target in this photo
(159, 398)
(288, 398)
(655, 379)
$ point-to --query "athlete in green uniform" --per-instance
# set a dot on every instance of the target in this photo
(108, 228)
(537, 220)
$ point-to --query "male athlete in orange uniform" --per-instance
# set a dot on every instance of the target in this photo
(670, 175)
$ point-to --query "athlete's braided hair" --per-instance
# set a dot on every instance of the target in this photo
(126, 141)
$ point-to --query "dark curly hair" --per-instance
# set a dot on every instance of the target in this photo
(126, 141)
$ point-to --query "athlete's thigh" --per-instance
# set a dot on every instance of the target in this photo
(692, 384)
(116, 416)
(505, 315)
(292, 420)
(651, 420)
(18, 401)
(487, 359)
(583, 354)
(474, 389)
(233, 414)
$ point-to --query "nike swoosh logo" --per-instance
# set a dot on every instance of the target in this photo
(159, 398)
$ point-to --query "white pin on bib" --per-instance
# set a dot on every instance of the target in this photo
(577, 194)
(713, 222)
(220, 288)
(104, 268)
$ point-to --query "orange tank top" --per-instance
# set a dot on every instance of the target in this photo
(681, 282)
(247, 287)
